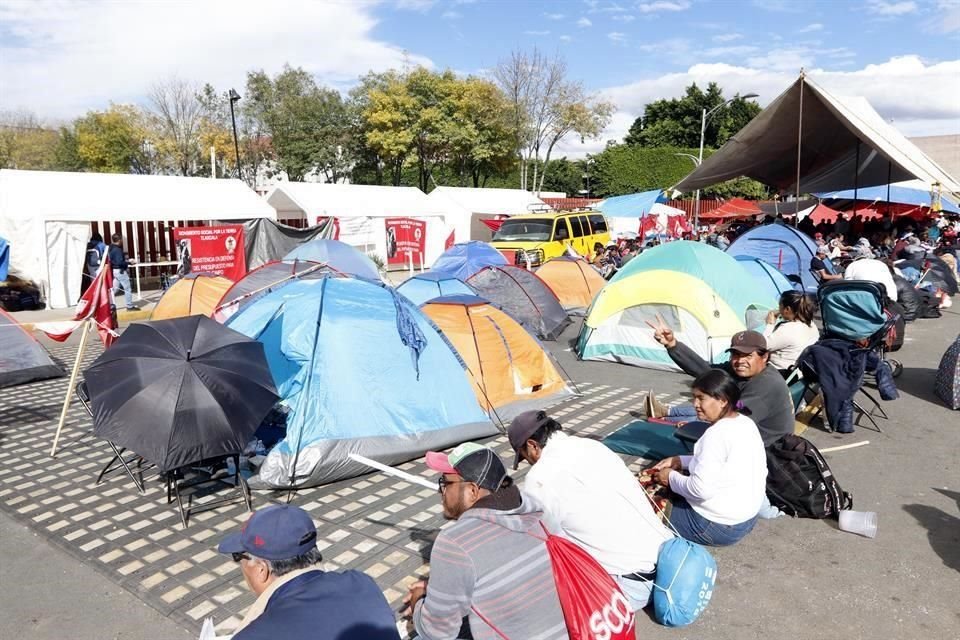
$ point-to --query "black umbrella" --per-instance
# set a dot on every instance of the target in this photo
(180, 391)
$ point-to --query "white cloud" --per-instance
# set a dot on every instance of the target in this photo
(884, 8)
(727, 37)
(663, 5)
(616, 36)
(554, 16)
(623, 17)
(584, 22)
(780, 6)
(909, 105)
(61, 60)
(949, 19)
(673, 48)
(565, 38)
(810, 28)
(536, 32)
(451, 15)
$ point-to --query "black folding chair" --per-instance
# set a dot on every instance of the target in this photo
(214, 471)
(117, 462)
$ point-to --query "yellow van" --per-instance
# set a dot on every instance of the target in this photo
(535, 238)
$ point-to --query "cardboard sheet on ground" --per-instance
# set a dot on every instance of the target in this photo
(651, 440)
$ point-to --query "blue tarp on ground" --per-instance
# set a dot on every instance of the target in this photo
(361, 370)
(467, 258)
(337, 255)
(433, 284)
(633, 205)
(898, 194)
(786, 248)
(4, 259)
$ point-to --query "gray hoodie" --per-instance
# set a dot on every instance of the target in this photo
(492, 560)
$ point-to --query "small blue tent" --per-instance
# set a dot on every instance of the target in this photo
(337, 255)
(788, 249)
(465, 259)
(4, 259)
(633, 205)
(361, 370)
(767, 276)
(433, 284)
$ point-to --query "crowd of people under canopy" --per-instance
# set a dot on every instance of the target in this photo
(490, 571)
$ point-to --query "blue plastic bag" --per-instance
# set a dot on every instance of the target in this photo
(686, 574)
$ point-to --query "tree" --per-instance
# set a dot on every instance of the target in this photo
(481, 132)
(177, 118)
(388, 116)
(546, 108)
(25, 143)
(675, 122)
(67, 154)
(308, 125)
(115, 141)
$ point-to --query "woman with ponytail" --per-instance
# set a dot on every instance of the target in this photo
(790, 331)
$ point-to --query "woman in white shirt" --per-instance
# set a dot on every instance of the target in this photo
(795, 331)
(716, 502)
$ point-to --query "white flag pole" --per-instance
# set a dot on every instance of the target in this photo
(72, 385)
(403, 475)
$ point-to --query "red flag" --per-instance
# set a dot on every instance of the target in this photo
(96, 303)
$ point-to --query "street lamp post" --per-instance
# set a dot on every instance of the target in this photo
(703, 130)
(234, 96)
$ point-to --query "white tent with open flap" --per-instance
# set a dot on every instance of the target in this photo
(363, 214)
(46, 216)
(829, 143)
(476, 204)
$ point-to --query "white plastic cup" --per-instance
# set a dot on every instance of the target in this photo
(862, 523)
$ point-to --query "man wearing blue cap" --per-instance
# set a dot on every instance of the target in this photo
(278, 556)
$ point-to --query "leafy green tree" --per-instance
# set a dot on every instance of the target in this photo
(25, 143)
(115, 141)
(67, 154)
(675, 122)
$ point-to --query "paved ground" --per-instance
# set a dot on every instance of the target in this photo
(107, 547)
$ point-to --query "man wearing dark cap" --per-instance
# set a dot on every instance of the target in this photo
(821, 266)
(491, 566)
(592, 499)
(763, 391)
(278, 556)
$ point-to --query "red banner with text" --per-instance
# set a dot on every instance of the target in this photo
(406, 239)
(217, 250)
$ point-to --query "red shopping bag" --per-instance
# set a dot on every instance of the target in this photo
(593, 606)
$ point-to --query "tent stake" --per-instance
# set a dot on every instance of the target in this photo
(71, 386)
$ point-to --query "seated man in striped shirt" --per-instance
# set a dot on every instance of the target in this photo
(491, 566)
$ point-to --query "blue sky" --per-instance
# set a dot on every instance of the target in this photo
(59, 58)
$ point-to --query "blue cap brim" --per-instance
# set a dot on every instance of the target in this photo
(231, 544)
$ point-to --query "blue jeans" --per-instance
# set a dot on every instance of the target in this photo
(122, 278)
(682, 413)
(695, 528)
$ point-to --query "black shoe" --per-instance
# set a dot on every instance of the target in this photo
(134, 308)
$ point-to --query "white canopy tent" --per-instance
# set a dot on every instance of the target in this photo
(472, 205)
(830, 143)
(46, 217)
(360, 211)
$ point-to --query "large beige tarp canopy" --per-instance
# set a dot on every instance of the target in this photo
(843, 143)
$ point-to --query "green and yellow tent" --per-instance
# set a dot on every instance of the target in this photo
(702, 293)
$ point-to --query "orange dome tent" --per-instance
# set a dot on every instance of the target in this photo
(196, 294)
(509, 370)
(574, 281)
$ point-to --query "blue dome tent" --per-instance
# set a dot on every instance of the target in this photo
(789, 250)
(361, 370)
(467, 258)
(433, 284)
(766, 275)
(338, 256)
(4, 259)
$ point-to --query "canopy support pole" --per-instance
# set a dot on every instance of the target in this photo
(71, 386)
(856, 178)
(889, 172)
(796, 210)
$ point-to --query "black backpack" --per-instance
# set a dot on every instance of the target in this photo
(800, 483)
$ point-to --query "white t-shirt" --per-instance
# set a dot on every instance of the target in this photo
(786, 342)
(728, 472)
(874, 271)
(592, 499)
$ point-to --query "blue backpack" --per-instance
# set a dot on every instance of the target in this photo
(686, 574)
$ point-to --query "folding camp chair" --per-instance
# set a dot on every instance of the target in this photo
(117, 462)
(206, 472)
(811, 382)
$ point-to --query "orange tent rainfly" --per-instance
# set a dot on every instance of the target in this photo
(574, 281)
(509, 370)
(196, 294)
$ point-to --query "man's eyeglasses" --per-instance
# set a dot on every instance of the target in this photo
(240, 555)
(443, 483)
